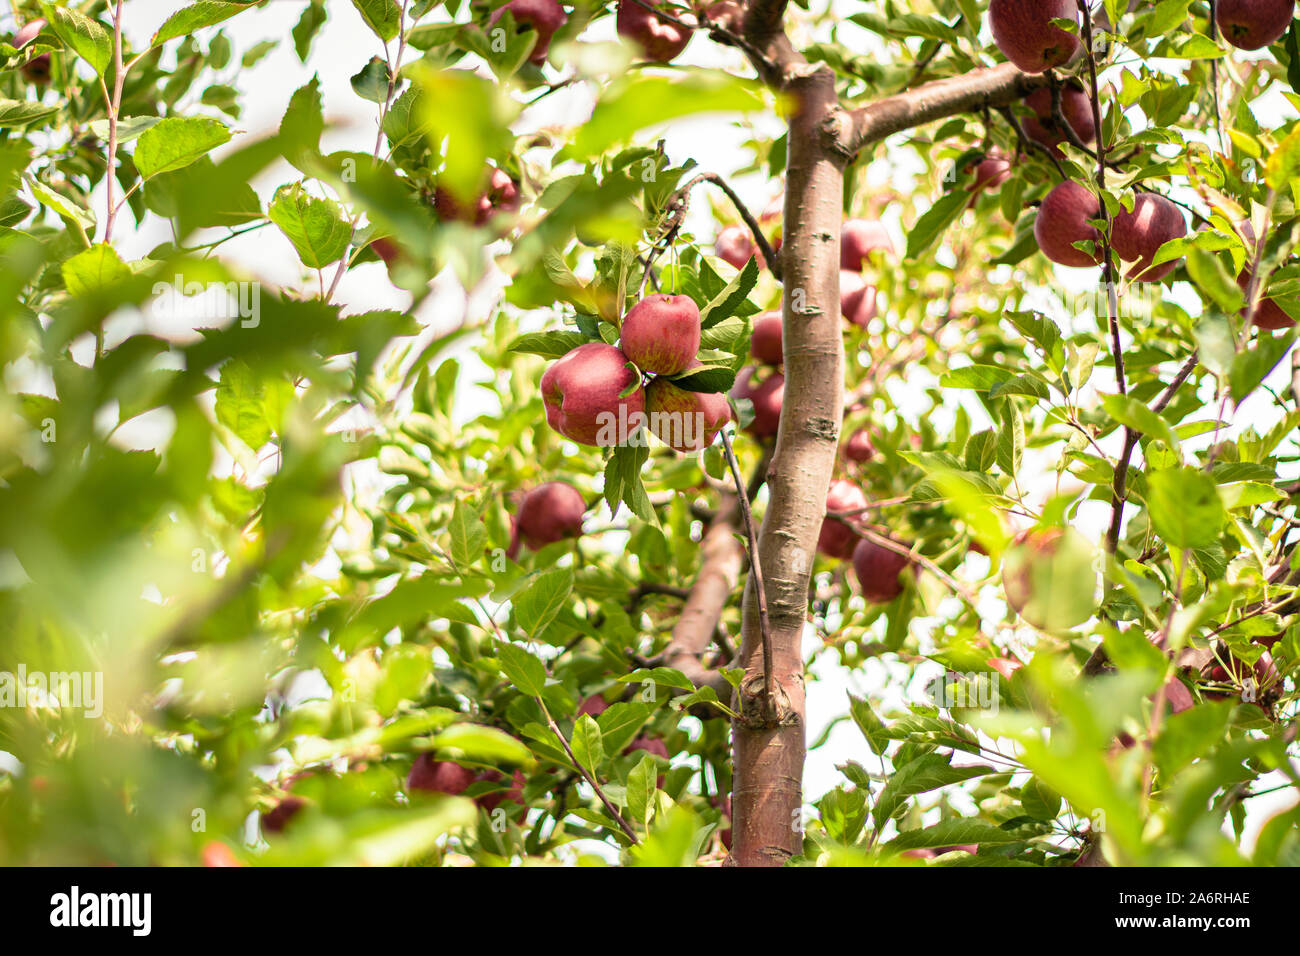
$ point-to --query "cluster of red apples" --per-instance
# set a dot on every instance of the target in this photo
(1026, 34)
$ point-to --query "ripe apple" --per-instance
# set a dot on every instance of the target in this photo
(660, 40)
(837, 538)
(878, 569)
(1254, 24)
(1049, 579)
(279, 816)
(1024, 32)
(858, 239)
(858, 448)
(765, 340)
(584, 387)
(550, 512)
(991, 172)
(514, 793)
(501, 195)
(593, 706)
(1063, 221)
(543, 16)
(29, 32)
(387, 249)
(684, 420)
(857, 299)
(1268, 314)
(766, 395)
(37, 69)
(661, 334)
(1076, 107)
(1138, 235)
(438, 776)
(735, 246)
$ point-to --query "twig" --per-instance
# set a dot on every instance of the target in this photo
(682, 201)
(1120, 485)
(591, 781)
(756, 571)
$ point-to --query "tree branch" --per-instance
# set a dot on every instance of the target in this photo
(684, 199)
(978, 90)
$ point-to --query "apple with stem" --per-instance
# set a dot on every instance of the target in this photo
(837, 538)
(765, 340)
(1268, 314)
(1023, 30)
(1138, 235)
(878, 570)
(1254, 24)
(661, 334)
(686, 421)
(766, 396)
(660, 40)
(991, 171)
(551, 512)
(1063, 219)
(588, 390)
(544, 17)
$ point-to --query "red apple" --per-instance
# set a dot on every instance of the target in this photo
(503, 193)
(593, 706)
(438, 776)
(858, 239)
(858, 448)
(1268, 314)
(1254, 24)
(1063, 221)
(766, 395)
(37, 69)
(837, 538)
(660, 40)
(765, 340)
(582, 394)
(279, 816)
(387, 249)
(514, 793)
(1026, 35)
(542, 16)
(661, 334)
(735, 246)
(878, 569)
(651, 745)
(550, 512)
(1076, 107)
(1138, 235)
(857, 299)
(991, 172)
(684, 420)
(29, 32)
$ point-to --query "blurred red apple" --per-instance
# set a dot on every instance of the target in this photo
(550, 512)
(837, 538)
(659, 39)
(766, 396)
(543, 16)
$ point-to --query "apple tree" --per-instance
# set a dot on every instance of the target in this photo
(988, 420)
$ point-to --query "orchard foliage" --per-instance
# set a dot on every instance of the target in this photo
(288, 536)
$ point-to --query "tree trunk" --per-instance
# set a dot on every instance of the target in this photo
(767, 794)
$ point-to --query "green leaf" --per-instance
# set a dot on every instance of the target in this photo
(176, 142)
(1252, 365)
(620, 723)
(241, 404)
(521, 668)
(468, 535)
(725, 303)
(549, 344)
(1185, 507)
(317, 228)
(873, 729)
(1039, 801)
(88, 38)
(18, 113)
(1130, 412)
(587, 745)
(384, 17)
(936, 219)
(196, 16)
(466, 741)
(537, 604)
(951, 833)
(96, 269)
(927, 772)
(641, 789)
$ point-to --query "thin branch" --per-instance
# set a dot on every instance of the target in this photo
(591, 781)
(1120, 486)
(965, 593)
(756, 571)
(681, 202)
